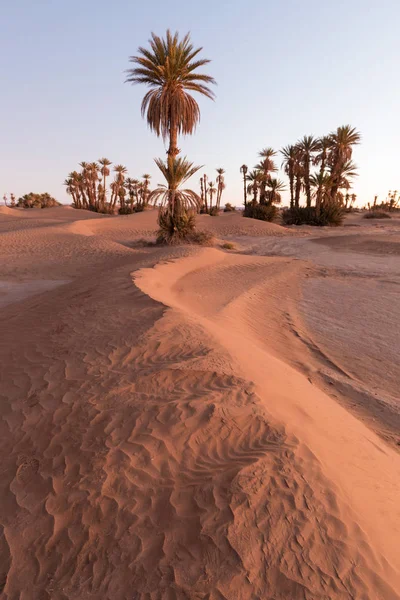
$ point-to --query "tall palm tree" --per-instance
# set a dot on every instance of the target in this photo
(169, 68)
(289, 162)
(205, 191)
(266, 166)
(308, 145)
(118, 182)
(202, 193)
(105, 171)
(324, 145)
(211, 190)
(243, 170)
(276, 186)
(342, 142)
(220, 185)
(146, 181)
(298, 175)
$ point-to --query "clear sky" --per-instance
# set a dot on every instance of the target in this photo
(284, 68)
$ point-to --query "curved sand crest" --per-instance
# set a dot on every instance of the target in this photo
(351, 517)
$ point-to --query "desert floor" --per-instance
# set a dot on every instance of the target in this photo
(198, 423)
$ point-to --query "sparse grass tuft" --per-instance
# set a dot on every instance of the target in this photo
(376, 214)
(228, 246)
(202, 238)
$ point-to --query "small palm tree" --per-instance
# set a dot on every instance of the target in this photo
(243, 170)
(177, 205)
(254, 178)
(276, 186)
(172, 196)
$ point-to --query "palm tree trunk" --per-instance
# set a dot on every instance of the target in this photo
(297, 191)
(307, 182)
(291, 185)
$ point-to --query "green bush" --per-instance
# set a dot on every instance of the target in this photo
(229, 207)
(228, 246)
(262, 212)
(376, 214)
(125, 210)
(176, 227)
(330, 215)
(213, 212)
(32, 200)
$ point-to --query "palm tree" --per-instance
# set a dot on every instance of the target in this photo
(146, 181)
(243, 170)
(205, 191)
(202, 193)
(308, 145)
(172, 195)
(211, 189)
(105, 171)
(342, 142)
(254, 178)
(324, 145)
(169, 70)
(276, 186)
(320, 183)
(289, 162)
(118, 182)
(220, 185)
(266, 166)
(298, 175)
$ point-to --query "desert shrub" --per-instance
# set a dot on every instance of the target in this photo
(376, 214)
(262, 212)
(125, 210)
(228, 246)
(32, 200)
(175, 228)
(330, 215)
(202, 238)
(229, 207)
(213, 212)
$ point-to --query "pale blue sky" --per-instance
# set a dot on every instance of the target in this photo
(284, 68)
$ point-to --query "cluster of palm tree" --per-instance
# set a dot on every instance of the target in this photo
(208, 190)
(322, 167)
(169, 69)
(391, 203)
(259, 182)
(11, 202)
(90, 190)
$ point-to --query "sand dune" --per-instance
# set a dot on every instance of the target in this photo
(160, 437)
